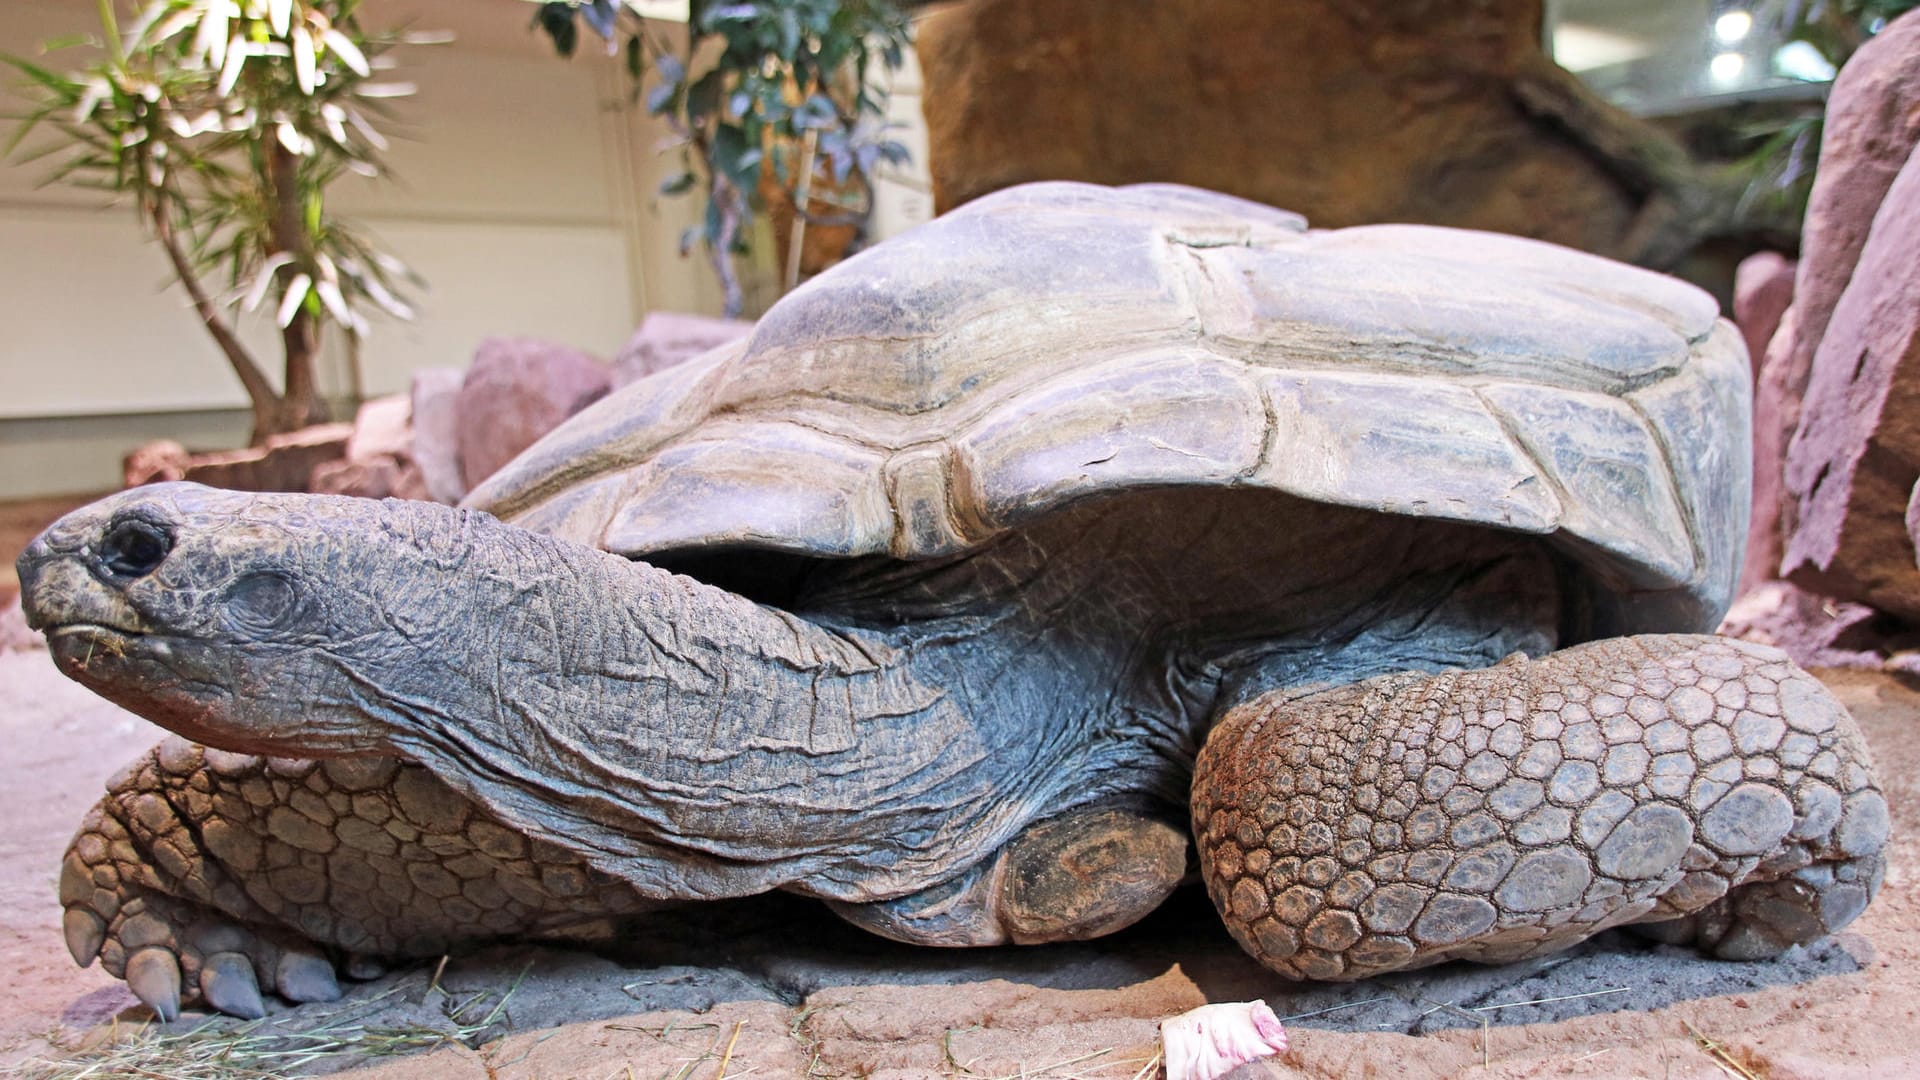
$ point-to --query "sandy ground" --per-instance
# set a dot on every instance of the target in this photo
(775, 986)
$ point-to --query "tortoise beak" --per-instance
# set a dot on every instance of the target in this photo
(61, 594)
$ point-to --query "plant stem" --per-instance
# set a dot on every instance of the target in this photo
(300, 404)
(111, 26)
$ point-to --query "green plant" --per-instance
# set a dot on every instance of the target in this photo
(226, 121)
(773, 90)
(1778, 171)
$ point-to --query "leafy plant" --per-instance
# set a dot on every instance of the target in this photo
(762, 90)
(226, 121)
(1779, 168)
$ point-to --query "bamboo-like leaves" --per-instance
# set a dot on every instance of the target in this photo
(184, 117)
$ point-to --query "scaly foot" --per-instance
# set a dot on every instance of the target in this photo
(204, 875)
(1706, 786)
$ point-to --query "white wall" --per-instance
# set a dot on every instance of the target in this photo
(525, 197)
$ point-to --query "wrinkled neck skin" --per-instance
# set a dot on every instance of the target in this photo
(699, 745)
(679, 736)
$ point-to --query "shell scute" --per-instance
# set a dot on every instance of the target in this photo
(1060, 341)
(1139, 421)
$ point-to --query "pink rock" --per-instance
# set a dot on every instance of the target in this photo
(1762, 289)
(285, 463)
(382, 477)
(1812, 629)
(517, 390)
(1913, 520)
(1855, 455)
(435, 411)
(666, 338)
(382, 427)
(1872, 124)
(153, 463)
(1770, 434)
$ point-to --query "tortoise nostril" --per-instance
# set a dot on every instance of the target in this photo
(134, 548)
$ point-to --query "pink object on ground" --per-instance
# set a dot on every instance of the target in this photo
(1213, 1040)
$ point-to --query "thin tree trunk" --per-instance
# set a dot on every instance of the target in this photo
(301, 403)
(728, 199)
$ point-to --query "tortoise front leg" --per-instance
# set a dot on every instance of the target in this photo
(208, 875)
(1704, 785)
(1080, 874)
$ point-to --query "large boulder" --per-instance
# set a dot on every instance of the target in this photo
(1855, 455)
(667, 338)
(1872, 125)
(1442, 112)
(379, 460)
(1762, 292)
(435, 397)
(517, 390)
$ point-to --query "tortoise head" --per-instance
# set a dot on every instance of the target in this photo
(251, 622)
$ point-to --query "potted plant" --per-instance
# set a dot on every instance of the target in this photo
(770, 102)
(225, 122)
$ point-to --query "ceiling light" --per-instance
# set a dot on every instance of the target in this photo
(1732, 26)
(1800, 60)
(1726, 68)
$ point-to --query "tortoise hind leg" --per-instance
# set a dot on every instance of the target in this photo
(1081, 874)
(1514, 810)
(208, 875)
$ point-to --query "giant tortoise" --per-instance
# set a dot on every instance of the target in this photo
(995, 564)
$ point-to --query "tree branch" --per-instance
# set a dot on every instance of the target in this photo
(259, 390)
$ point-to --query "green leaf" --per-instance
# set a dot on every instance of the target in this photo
(636, 59)
(66, 41)
(556, 18)
(677, 183)
(42, 76)
(789, 27)
(735, 156)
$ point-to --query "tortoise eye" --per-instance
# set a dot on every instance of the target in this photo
(134, 548)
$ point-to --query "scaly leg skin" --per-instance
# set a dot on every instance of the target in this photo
(204, 875)
(1704, 786)
(1078, 875)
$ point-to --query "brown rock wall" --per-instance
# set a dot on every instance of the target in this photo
(1442, 112)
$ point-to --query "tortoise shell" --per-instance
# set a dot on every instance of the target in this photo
(1061, 341)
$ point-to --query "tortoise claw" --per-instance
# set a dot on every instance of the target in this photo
(305, 976)
(154, 977)
(227, 982)
(85, 933)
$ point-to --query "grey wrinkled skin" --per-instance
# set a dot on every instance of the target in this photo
(977, 539)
